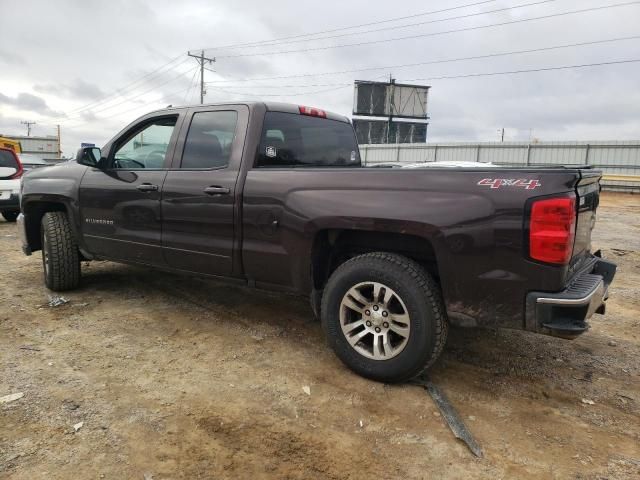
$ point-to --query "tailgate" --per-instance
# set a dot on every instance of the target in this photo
(587, 199)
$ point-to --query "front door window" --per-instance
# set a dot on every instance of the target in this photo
(146, 147)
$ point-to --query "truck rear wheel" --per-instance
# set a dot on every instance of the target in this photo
(384, 317)
(60, 258)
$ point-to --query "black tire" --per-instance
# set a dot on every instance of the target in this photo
(421, 297)
(10, 216)
(60, 257)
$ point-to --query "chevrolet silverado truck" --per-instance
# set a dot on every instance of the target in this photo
(274, 196)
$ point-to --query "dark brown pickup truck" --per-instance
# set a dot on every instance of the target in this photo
(274, 196)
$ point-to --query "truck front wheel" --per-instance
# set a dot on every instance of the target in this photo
(384, 317)
(60, 259)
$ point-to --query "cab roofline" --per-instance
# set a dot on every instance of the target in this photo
(284, 107)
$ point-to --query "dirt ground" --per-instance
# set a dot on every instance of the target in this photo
(175, 377)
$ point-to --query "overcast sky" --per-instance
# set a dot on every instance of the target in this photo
(92, 66)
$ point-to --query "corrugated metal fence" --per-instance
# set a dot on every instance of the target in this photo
(619, 160)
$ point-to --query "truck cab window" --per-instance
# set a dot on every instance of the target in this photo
(146, 147)
(209, 140)
(293, 140)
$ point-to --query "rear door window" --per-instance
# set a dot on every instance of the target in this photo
(293, 140)
(209, 140)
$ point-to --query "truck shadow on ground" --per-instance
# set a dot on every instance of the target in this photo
(495, 353)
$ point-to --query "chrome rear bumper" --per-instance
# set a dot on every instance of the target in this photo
(565, 314)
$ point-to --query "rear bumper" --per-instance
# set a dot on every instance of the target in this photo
(11, 203)
(565, 314)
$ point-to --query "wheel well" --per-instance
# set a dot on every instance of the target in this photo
(33, 213)
(331, 248)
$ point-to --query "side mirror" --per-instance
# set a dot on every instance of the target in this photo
(89, 156)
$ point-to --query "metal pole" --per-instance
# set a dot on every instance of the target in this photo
(201, 59)
(201, 77)
(586, 154)
(391, 93)
(28, 124)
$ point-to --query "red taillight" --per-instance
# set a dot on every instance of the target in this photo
(552, 229)
(312, 112)
(18, 174)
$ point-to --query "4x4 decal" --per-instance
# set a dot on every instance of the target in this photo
(510, 182)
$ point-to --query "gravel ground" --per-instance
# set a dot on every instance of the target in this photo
(151, 375)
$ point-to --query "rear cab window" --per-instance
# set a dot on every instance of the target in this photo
(291, 140)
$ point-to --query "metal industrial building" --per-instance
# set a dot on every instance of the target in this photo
(46, 147)
(389, 112)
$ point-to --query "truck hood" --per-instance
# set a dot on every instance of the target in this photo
(57, 170)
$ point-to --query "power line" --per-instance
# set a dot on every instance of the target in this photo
(128, 99)
(433, 34)
(119, 92)
(155, 72)
(433, 62)
(396, 27)
(294, 94)
(191, 85)
(447, 77)
(123, 112)
(450, 77)
(531, 70)
(341, 86)
(266, 42)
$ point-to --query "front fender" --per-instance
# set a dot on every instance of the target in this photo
(51, 189)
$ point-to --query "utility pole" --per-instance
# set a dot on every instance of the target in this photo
(392, 82)
(59, 144)
(201, 60)
(28, 124)
(501, 131)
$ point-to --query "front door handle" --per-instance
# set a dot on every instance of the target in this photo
(215, 190)
(147, 187)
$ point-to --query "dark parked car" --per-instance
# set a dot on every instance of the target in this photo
(274, 196)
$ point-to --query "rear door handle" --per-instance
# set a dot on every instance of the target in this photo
(147, 187)
(215, 190)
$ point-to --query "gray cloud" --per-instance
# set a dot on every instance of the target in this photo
(114, 43)
(9, 58)
(80, 89)
(29, 103)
